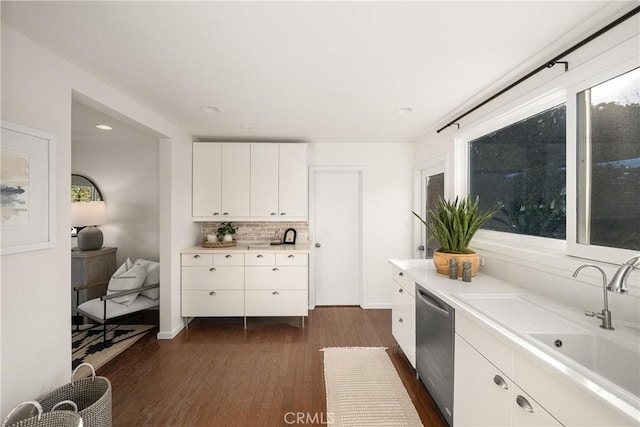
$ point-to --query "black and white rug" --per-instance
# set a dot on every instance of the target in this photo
(87, 344)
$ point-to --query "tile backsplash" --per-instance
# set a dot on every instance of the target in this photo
(260, 231)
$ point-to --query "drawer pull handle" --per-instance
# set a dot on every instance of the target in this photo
(400, 290)
(259, 256)
(212, 293)
(225, 213)
(291, 256)
(401, 274)
(216, 213)
(212, 269)
(275, 293)
(196, 256)
(283, 213)
(275, 269)
(500, 382)
(273, 213)
(227, 256)
(524, 404)
(401, 320)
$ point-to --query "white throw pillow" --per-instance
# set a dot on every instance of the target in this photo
(153, 277)
(129, 280)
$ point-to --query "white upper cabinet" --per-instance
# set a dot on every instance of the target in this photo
(236, 172)
(264, 179)
(220, 180)
(207, 179)
(236, 181)
(279, 190)
(293, 187)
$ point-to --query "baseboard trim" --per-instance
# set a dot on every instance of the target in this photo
(171, 334)
(377, 306)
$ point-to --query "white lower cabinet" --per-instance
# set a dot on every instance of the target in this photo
(485, 396)
(403, 314)
(251, 284)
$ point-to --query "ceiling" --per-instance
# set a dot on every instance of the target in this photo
(307, 71)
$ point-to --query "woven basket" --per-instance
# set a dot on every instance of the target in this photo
(91, 394)
(206, 244)
(55, 418)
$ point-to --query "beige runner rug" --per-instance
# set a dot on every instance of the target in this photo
(364, 389)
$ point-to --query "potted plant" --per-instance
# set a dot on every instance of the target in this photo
(453, 224)
(226, 232)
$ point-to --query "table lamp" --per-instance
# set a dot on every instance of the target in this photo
(88, 215)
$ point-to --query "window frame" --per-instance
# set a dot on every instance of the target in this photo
(588, 251)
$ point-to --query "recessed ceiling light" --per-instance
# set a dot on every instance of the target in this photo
(209, 109)
(404, 110)
(104, 127)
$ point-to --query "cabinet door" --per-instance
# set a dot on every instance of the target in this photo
(207, 179)
(210, 278)
(403, 317)
(482, 393)
(213, 303)
(274, 278)
(293, 188)
(527, 412)
(236, 172)
(264, 180)
(276, 303)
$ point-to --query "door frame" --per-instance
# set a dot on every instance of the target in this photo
(439, 164)
(313, 170)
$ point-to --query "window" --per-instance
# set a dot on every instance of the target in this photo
(609, 163)
(523, 166)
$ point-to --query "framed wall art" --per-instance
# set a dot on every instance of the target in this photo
(289, 237)
(27, 189)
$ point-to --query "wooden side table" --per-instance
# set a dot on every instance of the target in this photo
(89, 267)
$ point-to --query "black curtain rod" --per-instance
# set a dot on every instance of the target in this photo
(547, 64)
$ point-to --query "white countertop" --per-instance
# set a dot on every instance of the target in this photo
(251, 247)
(423, 272)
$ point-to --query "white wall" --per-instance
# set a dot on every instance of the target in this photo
(36, 333)
(387, 193)
(545, 273)
(127, 173)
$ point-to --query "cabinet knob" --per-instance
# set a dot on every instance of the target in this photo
(227, 256)
(216, 213)
(212, 293)
(524, 403)
(196, 256)
(212, 269)
(275, 293)
(291, 256)
(275, 269)
(400, 290)
(259, 256)
(500, 382)
(401, 320)
(401, 274)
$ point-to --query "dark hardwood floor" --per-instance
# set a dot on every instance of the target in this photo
(216, 373)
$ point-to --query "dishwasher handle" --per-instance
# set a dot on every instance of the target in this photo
(433, 302)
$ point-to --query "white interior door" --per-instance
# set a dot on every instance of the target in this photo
(337, 236)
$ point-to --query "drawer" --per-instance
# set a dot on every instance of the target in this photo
(212, 303)
(404, 280)
(260, 259)
(489, 345)
(196, 260)
(276, 278)
(202, 278)
(276, 303)
(228, 260)
(403, 322)
(291, 259)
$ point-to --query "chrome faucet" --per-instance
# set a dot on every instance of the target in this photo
(605, 314)
(619, 280)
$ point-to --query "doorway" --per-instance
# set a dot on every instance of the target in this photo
(430, 182)
(336, 218)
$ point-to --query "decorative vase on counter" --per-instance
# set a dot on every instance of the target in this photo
(212, 238)
(441, 261)
(227, 238)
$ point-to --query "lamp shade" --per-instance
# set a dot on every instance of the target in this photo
(88, 213)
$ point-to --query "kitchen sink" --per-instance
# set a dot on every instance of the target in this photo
(610, 354)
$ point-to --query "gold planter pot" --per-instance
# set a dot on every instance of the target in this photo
(441, 261)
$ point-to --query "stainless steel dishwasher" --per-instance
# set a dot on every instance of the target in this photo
(435, 322)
